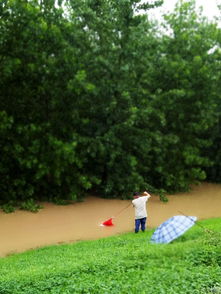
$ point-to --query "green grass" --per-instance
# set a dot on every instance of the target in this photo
(124, 264)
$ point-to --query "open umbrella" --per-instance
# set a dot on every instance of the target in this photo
(173, 228)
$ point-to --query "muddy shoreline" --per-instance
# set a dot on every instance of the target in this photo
(54, 224)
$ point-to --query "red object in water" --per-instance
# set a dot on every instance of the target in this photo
(108, 222)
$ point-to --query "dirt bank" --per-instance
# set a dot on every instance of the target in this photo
(54, 224)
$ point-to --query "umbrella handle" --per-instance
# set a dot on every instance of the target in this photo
(206, 230)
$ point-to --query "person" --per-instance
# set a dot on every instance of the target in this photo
(139, 203)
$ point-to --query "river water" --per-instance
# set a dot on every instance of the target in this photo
(54, 224)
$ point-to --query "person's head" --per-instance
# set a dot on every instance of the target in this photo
(136, 195)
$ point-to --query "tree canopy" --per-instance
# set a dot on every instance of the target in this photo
(96, 97)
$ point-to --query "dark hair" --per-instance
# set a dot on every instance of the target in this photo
(135, 194)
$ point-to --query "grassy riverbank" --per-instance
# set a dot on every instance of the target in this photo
(122, 264)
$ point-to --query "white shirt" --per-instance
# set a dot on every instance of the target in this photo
(140, 207)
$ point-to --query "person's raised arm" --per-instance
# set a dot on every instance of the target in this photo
(146, 194)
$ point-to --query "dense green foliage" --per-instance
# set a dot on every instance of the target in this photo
(124, 264)
(95, 97)
(186, 97)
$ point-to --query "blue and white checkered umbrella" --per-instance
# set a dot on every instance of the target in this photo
(173, 228)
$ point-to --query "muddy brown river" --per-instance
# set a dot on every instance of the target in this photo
(54, 224)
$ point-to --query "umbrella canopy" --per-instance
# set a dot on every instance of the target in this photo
(173, 228)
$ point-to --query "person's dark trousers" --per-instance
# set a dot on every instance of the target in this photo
(140, 222)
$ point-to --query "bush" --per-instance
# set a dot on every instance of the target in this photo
(30, 205)
(8, 207)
